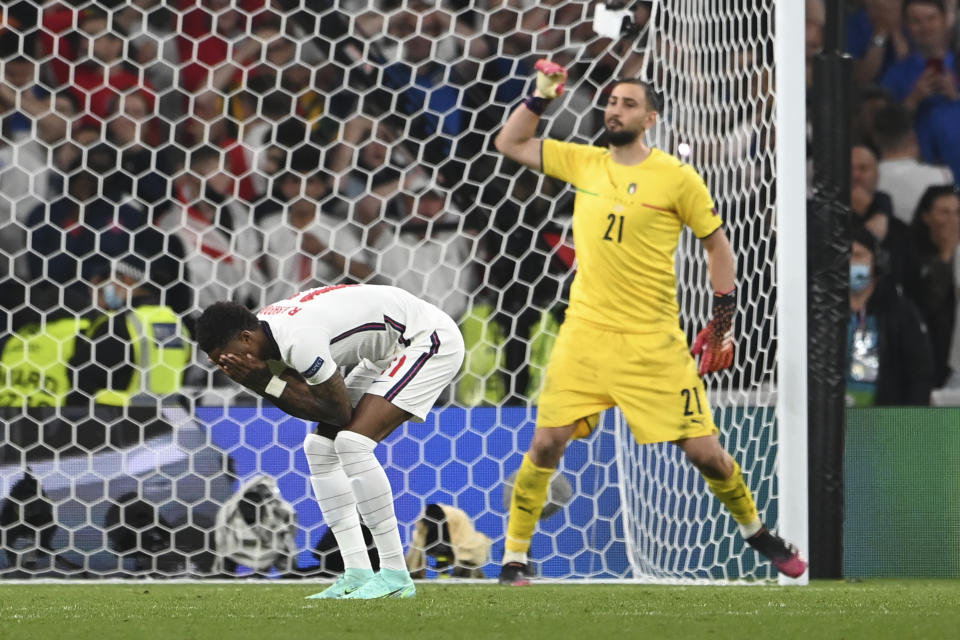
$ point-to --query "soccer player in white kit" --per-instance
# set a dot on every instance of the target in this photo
(398, 354)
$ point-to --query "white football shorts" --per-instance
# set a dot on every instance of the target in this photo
(417, 376)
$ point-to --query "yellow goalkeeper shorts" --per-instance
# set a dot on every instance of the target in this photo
(652, 378)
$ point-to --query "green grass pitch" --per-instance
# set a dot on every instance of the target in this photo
(871, 609)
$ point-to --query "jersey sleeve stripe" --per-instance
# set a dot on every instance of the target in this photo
(409, 375)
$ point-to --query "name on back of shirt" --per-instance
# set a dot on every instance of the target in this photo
(278, 310)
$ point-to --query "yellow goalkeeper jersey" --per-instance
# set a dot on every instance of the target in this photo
(626, 225)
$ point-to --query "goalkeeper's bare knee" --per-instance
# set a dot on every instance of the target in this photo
(708, 456)
(548, 445)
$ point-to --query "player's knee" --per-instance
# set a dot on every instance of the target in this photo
(327, 430)
(713, 464)
(548, 446)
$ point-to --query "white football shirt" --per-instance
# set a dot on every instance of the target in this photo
(321, 330)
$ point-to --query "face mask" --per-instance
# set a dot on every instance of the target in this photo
(112, 297)
(859, 277)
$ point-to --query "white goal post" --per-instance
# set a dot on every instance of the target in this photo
(792, 270)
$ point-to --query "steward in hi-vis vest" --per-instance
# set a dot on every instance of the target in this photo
(139, 357)
(35, 363)
(137, 351)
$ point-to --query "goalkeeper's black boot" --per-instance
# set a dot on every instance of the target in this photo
(784, 556)
(516, 574)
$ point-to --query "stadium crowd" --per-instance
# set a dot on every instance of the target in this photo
(904, 334)
(190, 151)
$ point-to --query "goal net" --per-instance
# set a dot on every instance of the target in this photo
(157, 156)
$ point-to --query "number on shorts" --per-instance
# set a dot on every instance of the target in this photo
(686, 397)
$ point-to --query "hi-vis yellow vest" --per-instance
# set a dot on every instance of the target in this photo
(33, 368)
(160, 355)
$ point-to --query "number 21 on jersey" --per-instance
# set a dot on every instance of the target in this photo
(614, 228)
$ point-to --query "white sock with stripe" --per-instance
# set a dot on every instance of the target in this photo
(371, 488)
(332, 488)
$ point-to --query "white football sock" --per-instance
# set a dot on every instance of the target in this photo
(747, 530)
(371, 488)
(332, 488)
(515, 556)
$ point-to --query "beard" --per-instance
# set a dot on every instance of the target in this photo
(621, 138)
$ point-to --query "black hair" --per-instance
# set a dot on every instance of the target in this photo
(882, 266)
(938, 4)
(205, 153)
(654, 99)
(276, 105)
(869, 146)
(892, 125)
(931, 195)
(863, 237)
(921, 231)
(306, 159)
(221, 322)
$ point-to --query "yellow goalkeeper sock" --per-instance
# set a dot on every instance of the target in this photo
(735, 495)
(529, 496)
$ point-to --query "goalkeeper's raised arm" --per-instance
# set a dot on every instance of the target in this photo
(516, 139)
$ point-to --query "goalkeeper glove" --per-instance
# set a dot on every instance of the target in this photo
(714, 344)
(551, 81)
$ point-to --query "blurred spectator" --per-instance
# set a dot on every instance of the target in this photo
(68, 155)
(382, 165)
(556, 25)
(933, 283)
(27, 178)
(431, 254)
(926, 82)
(305, 247)
(62, 240)
(286, 61)
(889, 358)
(132, 131)
(816, 17)
(223, 249)
(431, 94)
(876, 38)
(19, 80)
(209, 125)
(873, 210)
(901, 172)
(207, 29)
(271, 125)
(95, 67)
(150, 27)
(134, 351)
(872, 99)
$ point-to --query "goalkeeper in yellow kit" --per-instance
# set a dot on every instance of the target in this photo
(621, 343)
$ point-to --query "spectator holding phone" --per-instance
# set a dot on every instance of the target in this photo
(926, 82)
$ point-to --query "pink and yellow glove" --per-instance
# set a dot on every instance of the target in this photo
(551, 79)
(714, 344)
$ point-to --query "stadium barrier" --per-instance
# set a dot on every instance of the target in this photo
(902, 493)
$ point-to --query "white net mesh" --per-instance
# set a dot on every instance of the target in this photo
(160, 155)
(714, 63)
